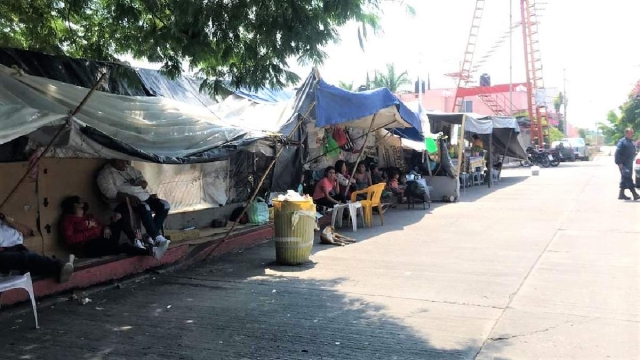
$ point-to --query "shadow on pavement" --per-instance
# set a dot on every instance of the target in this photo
(236, 307)
(478, 192)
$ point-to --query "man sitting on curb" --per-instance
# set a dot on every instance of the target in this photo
(119, 181)
(14, 256)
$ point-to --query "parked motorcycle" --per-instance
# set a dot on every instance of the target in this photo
(539, 157)
(557, 157)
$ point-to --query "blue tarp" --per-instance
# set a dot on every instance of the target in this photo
(408, 133)
(335, 106)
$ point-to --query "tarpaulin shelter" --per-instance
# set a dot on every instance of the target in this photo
(378, 108)
(323, 105)
(149, 128)
(500, 131)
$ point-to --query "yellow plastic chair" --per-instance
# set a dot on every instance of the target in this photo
(374, 195)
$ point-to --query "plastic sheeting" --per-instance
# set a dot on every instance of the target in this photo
(474, 123)
(155, 129)
(185, 88)
(266, 95)
(121, 79)
(188, 188)
(336, 106)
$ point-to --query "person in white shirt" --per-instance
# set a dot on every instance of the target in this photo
(14, 256)
(119, 181)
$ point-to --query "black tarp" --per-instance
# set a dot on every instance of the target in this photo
(122, 79)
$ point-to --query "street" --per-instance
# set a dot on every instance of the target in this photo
(535, 267)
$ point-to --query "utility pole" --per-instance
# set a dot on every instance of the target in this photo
(565, 100)
(511, 58)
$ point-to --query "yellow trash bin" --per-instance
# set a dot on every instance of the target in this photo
(294, 224)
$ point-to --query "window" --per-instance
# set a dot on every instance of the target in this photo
(467, 106)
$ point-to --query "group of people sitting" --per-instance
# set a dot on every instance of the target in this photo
(337, 185)
(124, 188)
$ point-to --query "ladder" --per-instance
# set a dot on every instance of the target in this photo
(498, 103)
(533, 64)
(464, 76)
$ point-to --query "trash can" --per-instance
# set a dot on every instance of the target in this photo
(294, 224)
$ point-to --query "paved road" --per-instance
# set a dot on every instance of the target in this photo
(539, 267)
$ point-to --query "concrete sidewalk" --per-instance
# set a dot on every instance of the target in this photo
(536, 267)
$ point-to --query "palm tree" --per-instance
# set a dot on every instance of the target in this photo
(345, 85)
(371, 18)
(390, 79)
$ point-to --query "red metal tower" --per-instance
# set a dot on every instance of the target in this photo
(497, 102)
(537, 107)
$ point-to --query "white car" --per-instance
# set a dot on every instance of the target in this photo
(579, 147)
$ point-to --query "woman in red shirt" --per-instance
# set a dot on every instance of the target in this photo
(89, 237)
(325, 192)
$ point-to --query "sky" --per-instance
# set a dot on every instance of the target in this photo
(593, 41)
(591, 44)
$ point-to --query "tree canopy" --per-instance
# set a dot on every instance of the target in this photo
(246, 42)
(391, 79)
(345, 85)
(613, 128)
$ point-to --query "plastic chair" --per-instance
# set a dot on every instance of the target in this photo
(20, 282)
(374, 194)
(353, 209)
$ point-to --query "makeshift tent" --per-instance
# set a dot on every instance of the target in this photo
(148, 128)
(336, 106)
(504, 130)
(505, 137)
(323, 105)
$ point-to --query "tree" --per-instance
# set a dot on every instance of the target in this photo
(345, 85)
(555, 134)
(629, 117)
(557, 105)
(582, 133)
(370, 18)
(391, 80)
(245, 42)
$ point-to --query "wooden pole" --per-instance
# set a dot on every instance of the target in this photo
(364, 144)
(53, 139)
(264, 176)
(461, 151)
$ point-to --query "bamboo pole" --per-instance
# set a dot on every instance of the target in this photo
(460, 152)
(355, 168)
(257, 189)
(53, 139)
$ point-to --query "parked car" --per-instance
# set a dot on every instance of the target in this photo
(578, 145)
(568, 154)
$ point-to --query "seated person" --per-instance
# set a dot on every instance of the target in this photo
(394, 185)
(325, 193)
(362, 177)
(89, 237)
(14, 256)
(346, 184)
(119, 181)
(477, 142)
(377, 176)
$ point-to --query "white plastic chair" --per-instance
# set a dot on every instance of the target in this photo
(20, 282)
(353, 209)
